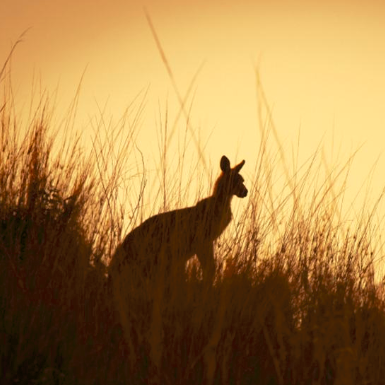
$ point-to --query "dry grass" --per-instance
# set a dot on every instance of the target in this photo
(295, 299)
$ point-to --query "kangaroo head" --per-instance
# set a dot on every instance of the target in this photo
(230, 182)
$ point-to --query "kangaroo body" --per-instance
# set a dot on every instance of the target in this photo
(173, 237)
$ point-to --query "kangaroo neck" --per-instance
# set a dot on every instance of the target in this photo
(222, 202)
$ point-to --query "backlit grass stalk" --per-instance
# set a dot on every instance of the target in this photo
(295, 299)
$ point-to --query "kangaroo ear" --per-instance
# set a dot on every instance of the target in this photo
(225, 164)
(238, 167)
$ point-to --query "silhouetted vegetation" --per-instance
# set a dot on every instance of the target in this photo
(295, 300)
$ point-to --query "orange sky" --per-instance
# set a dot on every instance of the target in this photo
(322, 66)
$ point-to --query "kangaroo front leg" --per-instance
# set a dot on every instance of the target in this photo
(205, 256)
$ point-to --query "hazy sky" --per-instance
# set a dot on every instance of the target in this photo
(322, 65)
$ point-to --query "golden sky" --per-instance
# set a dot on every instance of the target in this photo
(322, 65)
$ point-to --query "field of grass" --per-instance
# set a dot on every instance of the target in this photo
(295, 300)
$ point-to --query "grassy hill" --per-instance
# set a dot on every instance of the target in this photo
(295, 299)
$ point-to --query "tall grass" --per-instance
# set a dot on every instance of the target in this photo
(295, 299)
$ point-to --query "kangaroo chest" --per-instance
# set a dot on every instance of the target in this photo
(212, 219)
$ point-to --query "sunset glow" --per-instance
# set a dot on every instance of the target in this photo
(321, 66)
(191, 192)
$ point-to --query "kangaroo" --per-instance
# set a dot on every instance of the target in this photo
(176, 236)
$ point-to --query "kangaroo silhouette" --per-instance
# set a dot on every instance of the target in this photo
(173, 237)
